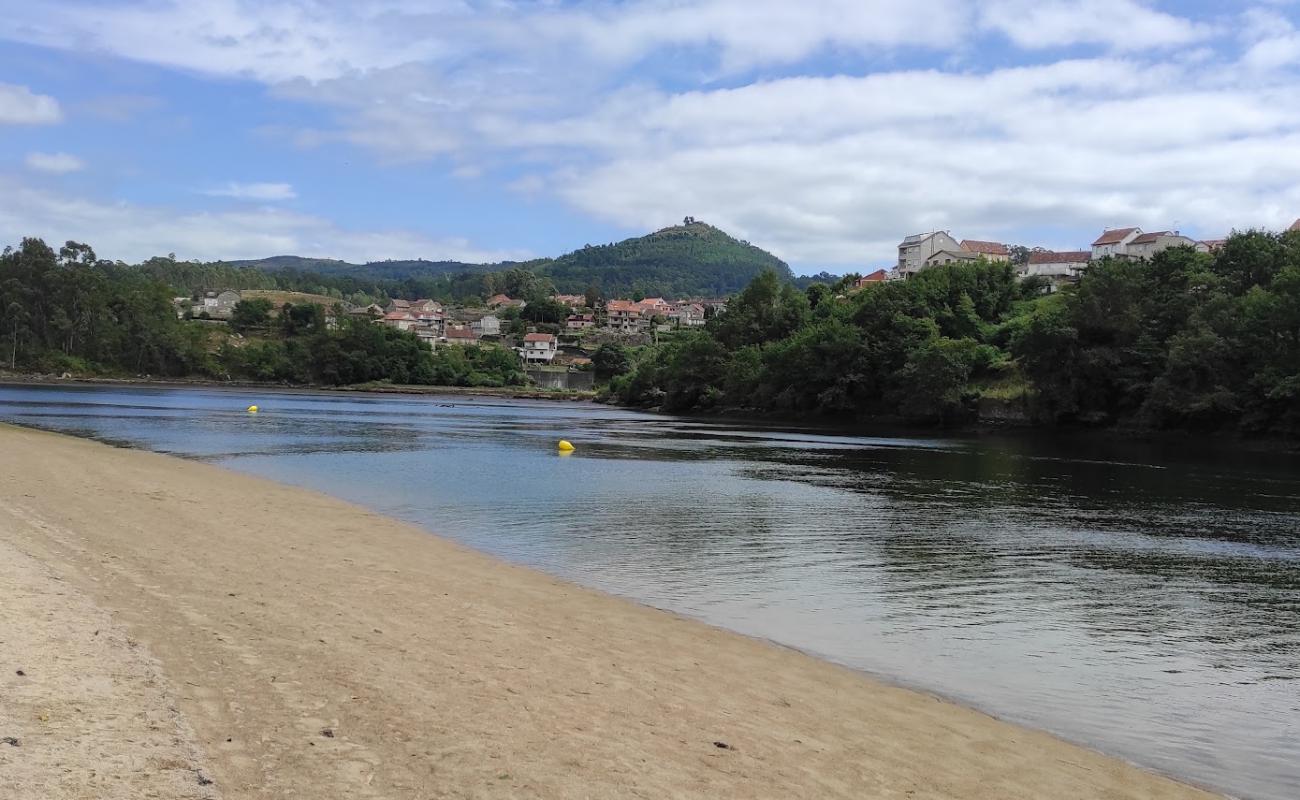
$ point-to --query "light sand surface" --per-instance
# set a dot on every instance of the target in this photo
(318, 650)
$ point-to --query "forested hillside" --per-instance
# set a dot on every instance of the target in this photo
(693, 259)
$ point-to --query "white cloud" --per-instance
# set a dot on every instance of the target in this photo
(19, 105)
(643, 111)
(1121, 24)
(57, 163)
(132, 232)
(254, 191)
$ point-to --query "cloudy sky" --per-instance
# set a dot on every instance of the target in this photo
(822, 130)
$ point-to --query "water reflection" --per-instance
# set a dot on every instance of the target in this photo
(1140, 598)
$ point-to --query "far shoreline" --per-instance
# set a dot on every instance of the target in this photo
(880, 426)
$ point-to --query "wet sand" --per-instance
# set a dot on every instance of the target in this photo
(310, 648)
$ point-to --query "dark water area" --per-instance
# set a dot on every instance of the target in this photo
(1142, 599)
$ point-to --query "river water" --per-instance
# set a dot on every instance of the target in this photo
(1143, 600)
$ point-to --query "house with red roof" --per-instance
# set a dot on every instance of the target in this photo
(539, 348)
(879, 276)
(1114, 242)
(460, 334)
(991, 251)
(626, 316)
(402, 320)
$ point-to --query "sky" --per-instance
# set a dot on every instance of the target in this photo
(822, 130)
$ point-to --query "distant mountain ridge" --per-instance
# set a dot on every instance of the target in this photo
(691, 259)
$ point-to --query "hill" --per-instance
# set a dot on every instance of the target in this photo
(689, 259)
(692, 259)
(383, 270)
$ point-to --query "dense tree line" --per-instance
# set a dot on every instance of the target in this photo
(1185, 341)
(70, 311)
(1188, 340)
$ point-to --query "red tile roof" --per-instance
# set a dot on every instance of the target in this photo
(1113, 236)
(461, 333)
(878, 275)
(622, 306)
(1068, 257)
(987, 248)
(539, 337)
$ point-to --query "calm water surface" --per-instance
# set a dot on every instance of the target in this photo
(1139, 600)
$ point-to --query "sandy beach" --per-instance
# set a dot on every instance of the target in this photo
(186, 631)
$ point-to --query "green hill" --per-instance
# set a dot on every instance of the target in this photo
(382, 270)
(690, 259)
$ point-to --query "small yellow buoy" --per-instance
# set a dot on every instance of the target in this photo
(564, 446)
(252, 409)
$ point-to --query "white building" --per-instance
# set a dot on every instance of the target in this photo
(1057, 268)
(1114, 242)
(489, 325)
(539, 348)
(1148, 244)
(918, 247)
(950, 257)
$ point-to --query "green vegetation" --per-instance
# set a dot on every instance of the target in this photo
(687, 260)
(70, 311)
(694, 259)
(1187, 341)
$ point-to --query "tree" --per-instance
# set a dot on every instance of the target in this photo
(610, 361)
(252, 313)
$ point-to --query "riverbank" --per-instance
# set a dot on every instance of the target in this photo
(318, 648)
(506, 392)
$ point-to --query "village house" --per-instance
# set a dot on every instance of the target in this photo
(1147, 245)
(949, 257)
(879, 276)
(578, 322)
(500, 300)
(435, 321)
(217, 305)
(688, 315)
(539, 348)
(489, 325)
(1114, 242)
(401, 320)
(426, 307)
(1057, 267)
(991, 251)
(1210, 245)
(427, 336)
(460, 334)
(918, 247)
(625, 316)
(396, 305)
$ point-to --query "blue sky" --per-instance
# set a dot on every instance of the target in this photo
(824, 130)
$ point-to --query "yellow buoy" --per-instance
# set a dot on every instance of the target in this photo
(252, 409)
(564, 446)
